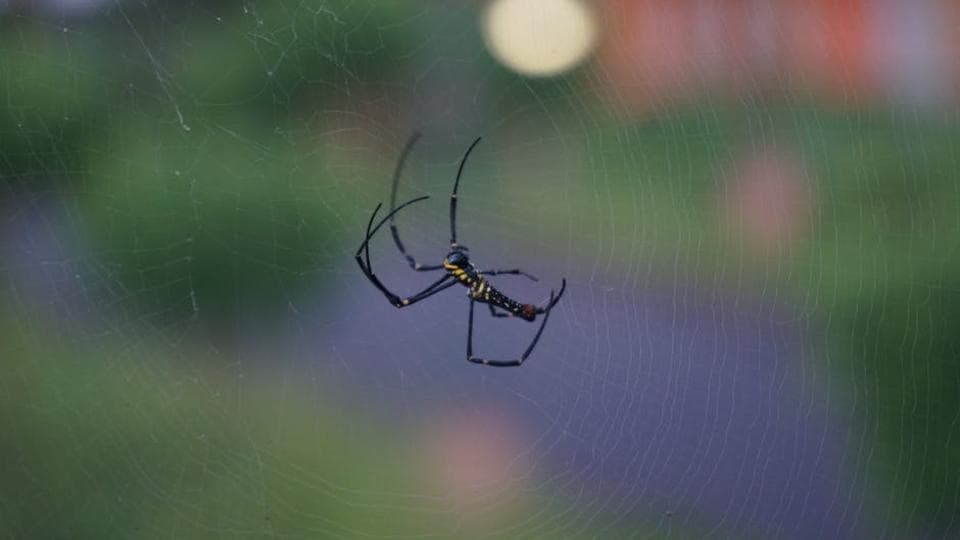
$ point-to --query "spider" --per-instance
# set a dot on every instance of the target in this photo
(458, 269)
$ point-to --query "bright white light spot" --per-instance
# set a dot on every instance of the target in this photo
(539, 38)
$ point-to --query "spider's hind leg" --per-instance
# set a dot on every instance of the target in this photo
(498, 314)
(506, 363)
(553, 299)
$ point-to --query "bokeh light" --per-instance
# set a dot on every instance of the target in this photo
(767, 200)
(539, 38)
(477, 457)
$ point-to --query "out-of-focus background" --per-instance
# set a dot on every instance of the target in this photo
(755, 205)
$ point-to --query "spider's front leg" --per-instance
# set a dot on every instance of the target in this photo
(363, 260)
(398, 302)
(393, 203)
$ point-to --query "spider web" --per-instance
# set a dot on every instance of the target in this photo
(759, 236)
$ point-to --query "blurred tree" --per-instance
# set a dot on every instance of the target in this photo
(51, 98)
(204, 222)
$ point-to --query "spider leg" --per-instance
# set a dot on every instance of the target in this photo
(553, 299)
(371, 230)
(433, 289)
(470, 332)
(498, 314)
(507, 363)
(515, 271)
(441, 284)
(453, 196)
(364, 252)
(393, 203)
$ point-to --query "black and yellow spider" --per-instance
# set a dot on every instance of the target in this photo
(458, 269)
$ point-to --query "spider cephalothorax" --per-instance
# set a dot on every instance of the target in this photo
(459, 269)
(456, 259)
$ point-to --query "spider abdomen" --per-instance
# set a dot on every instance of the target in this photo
(482, 291)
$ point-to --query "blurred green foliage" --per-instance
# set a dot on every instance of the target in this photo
(50, 94)
(898, 346)
(130, 445)
(195, 158)
(141, 442)
(276, 56)
(205, 221)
